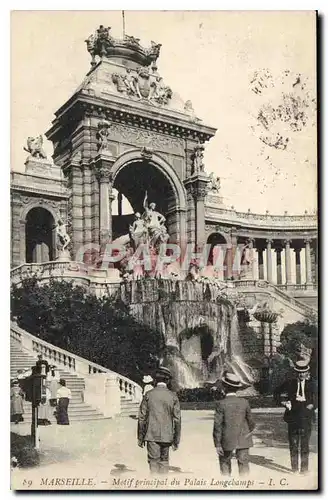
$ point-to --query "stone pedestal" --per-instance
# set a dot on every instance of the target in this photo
(102, 392)
(63, 255)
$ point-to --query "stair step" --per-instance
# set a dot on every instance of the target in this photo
(78, 410)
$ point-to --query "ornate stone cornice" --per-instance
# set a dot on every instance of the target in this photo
(165, 122)
(44, 192)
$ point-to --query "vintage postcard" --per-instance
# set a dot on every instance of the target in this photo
(164, 250)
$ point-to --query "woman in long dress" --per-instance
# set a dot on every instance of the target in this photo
(52, 383)
(44, 410)
(63, 397)
(16, 403)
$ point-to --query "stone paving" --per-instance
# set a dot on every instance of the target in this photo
(105, 454)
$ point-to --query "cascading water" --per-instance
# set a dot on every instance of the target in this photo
(180, 310)
(184, 376)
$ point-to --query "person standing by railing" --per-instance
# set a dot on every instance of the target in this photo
(52, 383)
(63, 398)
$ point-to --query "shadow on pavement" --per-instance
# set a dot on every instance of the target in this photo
(120, 469)
(268, 464)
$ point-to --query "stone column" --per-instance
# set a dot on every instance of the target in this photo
(197, 186)
(231, 255)
(105, 206)
(303, 265)
(261, 263)
(308, 261)
(288, 262)
(119, 203)
(102, 165)
(298, 265)
(269, 260)
(279, 273)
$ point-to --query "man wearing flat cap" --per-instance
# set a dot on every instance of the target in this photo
(233, 426)
(300, 403)
(159, 422)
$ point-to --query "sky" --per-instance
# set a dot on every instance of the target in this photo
(251, 74)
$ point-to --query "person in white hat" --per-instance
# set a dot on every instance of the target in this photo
(300, 405)
(148, 381)
(159, 422)
(233, 426)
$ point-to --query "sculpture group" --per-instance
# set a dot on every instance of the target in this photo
(148, 228)
(143, 84)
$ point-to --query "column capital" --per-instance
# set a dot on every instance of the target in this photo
(198, 188)
(103, 174)
(269, 241)
(287, 241)
(308, 239)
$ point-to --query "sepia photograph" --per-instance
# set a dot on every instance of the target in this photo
(164, 250)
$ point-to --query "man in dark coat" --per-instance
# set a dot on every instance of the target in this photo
(300, 403)
(159, 422)
(233, 426)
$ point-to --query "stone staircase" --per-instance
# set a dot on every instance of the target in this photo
(77, 410)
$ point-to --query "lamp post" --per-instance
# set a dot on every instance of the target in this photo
(267, 317)
(34, 388)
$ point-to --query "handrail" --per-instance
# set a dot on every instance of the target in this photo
(276, 289)
(71, 362)
(43, 267)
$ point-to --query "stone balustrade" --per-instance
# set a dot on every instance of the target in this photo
(263, 221)
(72, 363)
(276, 290)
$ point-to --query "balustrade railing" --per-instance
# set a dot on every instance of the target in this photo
(307, 220)
(276, 289)
(70, 362)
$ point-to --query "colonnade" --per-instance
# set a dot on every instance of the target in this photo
(283, 262)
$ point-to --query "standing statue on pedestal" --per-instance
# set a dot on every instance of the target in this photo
(155, 223)
(138, 230)
(198, 159)
(246, 262)
(63, 240)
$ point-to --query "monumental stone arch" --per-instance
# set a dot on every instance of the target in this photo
(136, 172)
(125, 129)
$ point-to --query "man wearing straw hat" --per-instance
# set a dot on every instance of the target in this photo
(233, 426)
(159, 422)
(300, 405)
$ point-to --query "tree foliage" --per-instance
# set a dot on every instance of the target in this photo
(296, 336)
(98, 329)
